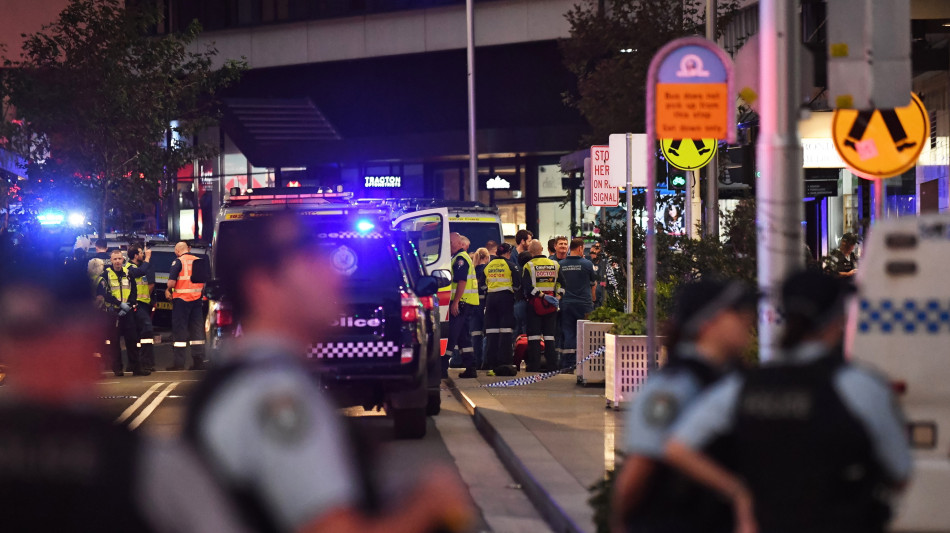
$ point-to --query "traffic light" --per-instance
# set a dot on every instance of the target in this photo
(673, 178)
(677, 179)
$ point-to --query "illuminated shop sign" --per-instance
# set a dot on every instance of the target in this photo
(508, 182)
(498, 182)
(383, 182)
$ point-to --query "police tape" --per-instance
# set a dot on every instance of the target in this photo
(527, 380)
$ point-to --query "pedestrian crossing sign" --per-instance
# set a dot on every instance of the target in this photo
(688, 154)
(881, 143)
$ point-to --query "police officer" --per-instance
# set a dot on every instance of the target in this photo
(65, 465)
(503, 280)
(274, 441)
(143, 309)
(187, 316)
(464, 301)
(842, 262)
(118, 290)
(580, 285)
(709, 329)
(597, 260)
(541, 282)
(522, 241)
(816, 441)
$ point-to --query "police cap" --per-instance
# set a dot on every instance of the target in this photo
(850, 239)
(813, 297)
(698, 302)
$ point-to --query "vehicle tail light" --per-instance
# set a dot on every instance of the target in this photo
(428, 303)
(899, 387)
(410, 307)
(222, 315)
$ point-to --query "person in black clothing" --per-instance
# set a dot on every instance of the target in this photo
(842, 262)
(66, 466)
(580, 283)
(117, 288)
(503, 281)
(708, 331)
(522, 241)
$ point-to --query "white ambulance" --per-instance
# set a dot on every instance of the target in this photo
(900, 324)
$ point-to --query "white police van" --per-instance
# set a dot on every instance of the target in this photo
(900, 324)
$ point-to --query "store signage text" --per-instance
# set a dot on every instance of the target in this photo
(497, 183)
(383, 182)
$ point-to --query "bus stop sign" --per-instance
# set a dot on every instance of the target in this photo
(692, 89)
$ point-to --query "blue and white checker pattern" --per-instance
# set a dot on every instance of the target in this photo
(354, 350)
(908, 316)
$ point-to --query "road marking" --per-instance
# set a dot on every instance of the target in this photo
(152, 406)
(138, 403)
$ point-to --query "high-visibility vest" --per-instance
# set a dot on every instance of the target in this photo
(498, 275)
(141, 287)
(470, 296)
(119, 289)
(184, 288)
(543, 272)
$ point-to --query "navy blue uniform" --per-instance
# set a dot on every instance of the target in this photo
(459, 332)
(579, 278)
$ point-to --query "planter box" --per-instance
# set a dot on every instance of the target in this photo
(591, 337)
(627, 366)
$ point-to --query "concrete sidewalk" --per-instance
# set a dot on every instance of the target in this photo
(556, 438)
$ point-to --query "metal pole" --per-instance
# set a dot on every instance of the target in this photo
(712, 169)
(779, 193)
(630, 222)
(472, 152)
(879, 194)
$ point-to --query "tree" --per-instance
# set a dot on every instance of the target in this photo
(104, 110)
(609, 51)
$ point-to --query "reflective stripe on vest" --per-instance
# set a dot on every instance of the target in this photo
(470, 295)
(141, 287)
(543, 272)
(184, 288)
(498, 276)
(116, 287)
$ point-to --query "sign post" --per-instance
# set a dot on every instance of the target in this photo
(689, 84)
(602, 193)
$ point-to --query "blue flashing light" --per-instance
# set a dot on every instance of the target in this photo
(364, 226)
(50, 218)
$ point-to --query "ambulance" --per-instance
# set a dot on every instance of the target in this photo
(900, 324)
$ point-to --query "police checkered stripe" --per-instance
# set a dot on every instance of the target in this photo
(354, 350)
(890, 316)
(352, 235)
(527, 380)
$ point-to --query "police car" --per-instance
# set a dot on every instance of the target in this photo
(376, 353)
(900, 324)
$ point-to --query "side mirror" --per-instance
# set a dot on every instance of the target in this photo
(213, 290)
(444, 277)
(427, 286)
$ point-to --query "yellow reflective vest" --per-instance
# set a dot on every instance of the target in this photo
(119, 289)
(498, 275)
(544, 275)
(141, 287)
(470, 296)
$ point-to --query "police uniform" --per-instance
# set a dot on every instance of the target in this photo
(75, 470)
(187, 319)
(117, 288)
(579, 278)
(601, 279)
(541, 277)
(459, 334)
(502, 281)
(673, 503)
(271, 438)
(476, 320)
(143, 316)
(815, 438)
(838, 263)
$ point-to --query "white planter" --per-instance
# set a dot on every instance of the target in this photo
(627, 366)
(591, 337)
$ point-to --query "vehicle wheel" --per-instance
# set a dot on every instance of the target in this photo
(409, 423)
(434, 405)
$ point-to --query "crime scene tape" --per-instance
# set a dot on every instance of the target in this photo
(527, 380)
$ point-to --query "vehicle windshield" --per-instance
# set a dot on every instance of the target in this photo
(477, 232)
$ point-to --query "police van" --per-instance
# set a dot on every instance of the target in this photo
(430, 222)
(376, 352)
(900, 324)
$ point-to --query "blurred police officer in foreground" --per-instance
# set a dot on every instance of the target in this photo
(464, 301)
(187, 317)
(264, 426)
(709, 330)
(65, 466)
(842, 261)
(541, 283)
(580, 284)
(503, 280)
(117, 288)
(817, 442)
(143, 309)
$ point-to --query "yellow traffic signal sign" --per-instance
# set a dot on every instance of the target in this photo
(688, 154)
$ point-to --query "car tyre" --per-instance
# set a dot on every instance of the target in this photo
(409, 423)
(434, 403)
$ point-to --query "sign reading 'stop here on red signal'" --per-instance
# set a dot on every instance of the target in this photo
(692, 95)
